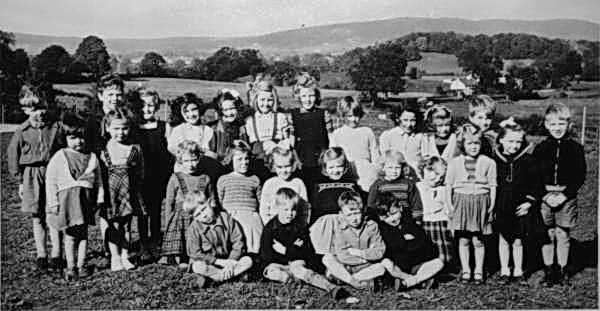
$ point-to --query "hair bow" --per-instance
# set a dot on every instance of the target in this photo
(434, 108)
(508, 122)
(233, 92)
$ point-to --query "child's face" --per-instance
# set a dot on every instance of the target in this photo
(191, 114)
(392, 170)
(205, 213)
(442, 127)
(472, 146)
(265, 101)
(241, 162)
(432, 176)
(352, 120)
(189, 162)
(408, 121)
(118, 130)
(149, 108)
(393, 216)
(111, 98)
(352, 214)
(512, 142)
(308, 98)
(75, 142)
(283, 167)
(482, 120)
(335, 168)
(229, 111)
(39, 116)
(556, 125)
(286, 212)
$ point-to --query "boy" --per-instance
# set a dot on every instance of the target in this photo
(285, 247)
(563, 168)
(410, 255)
(482, 109)
(110, 90)
(31, 147)
(215, 241)
(357, 245)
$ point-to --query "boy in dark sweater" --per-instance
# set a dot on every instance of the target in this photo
(562, 168)
(286, 249)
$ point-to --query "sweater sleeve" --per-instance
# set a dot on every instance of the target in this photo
(266, 198)
(238, 244)
(98, 184)
(174, 140)
(221, 189)
(373, 147)
(13, 153)
(376, 245)
(372, 197)
(267, 254)
(492, 174)
(416, 205)
(171, 195)
(140, 167)
(384, 143)
(52, 176)
(577, 175)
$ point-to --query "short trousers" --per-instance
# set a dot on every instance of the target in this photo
(565, 217)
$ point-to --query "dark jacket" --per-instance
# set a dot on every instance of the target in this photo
(407, 253)
(293, 236)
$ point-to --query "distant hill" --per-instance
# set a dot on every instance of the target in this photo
(328, 38)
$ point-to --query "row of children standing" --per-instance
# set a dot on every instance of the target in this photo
(450, 183)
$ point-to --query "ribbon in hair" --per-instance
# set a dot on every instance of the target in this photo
(233, 92)
(508, 122)
(436, 107)
(239, 142)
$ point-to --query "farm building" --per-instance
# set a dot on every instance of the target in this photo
(458, 86)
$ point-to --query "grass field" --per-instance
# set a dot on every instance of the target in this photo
(436, 63)
(154, 286)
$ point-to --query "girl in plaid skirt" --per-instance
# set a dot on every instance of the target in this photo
(123, 165)
(436, 205)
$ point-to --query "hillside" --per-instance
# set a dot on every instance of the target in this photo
(328, 38)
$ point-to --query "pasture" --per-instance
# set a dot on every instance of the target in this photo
(155, 286)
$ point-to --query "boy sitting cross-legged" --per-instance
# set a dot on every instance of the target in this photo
(286, 249)
(357, 245)
(215, 241)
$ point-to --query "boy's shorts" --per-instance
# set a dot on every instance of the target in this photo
(565, 217)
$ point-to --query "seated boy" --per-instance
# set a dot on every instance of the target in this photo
(410, 257)
(285, 247)
(215, 241)
(357, 245)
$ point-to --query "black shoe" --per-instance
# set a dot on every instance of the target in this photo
(503, 279)
(564, 278)
(55, 265)
(83, 272)
(42, 264)
(465, 278)
(339, 293)
(477, 278)
(71, 274)
(399, 285)
(547, 281)
(521, 280)
(201, 281)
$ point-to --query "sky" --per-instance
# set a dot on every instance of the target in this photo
(163, 18)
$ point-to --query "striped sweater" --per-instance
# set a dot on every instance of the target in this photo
(237, 192)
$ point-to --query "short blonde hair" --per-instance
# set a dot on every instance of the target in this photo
(331, 154)
(188, 147)
(287, 195)
(560, 110)
(149, 92)
(468, 131)
(482, 103)
(430, 163)
(194, 200)
(286, 154)
(348, 197)
(264, 86)
(348, 106)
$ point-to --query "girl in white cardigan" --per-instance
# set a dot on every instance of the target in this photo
(441, 141)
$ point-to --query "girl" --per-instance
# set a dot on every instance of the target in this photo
(395, 178)
(190, 178)
(266, 127)
(73, 191)
(404, 137)
(123, 163)
(519, 188)
(441, 142)
(282, 162)
(471, 179)
(312, 126)
(359, 143)
(192, 128)
(230, 126)
(436, 205)
(335, 179)
(238, 193)
(152, 137)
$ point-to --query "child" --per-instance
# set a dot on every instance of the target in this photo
(312, 126)
(482, 109)
(436, 205)
(28, 152)
(189, 178)
(229, 126)
(239, 192)
(357, 245)
(192, 128)
(394, 171)
(471, 179)
(110, 94)
(124, 172)
(283, 162)
(410, 256)
(73, 190)
(442, 141)
(404, 136)
(519, 190)
(285, 247)
(334, 181)
(562, 168)
(266, 127)
(151, 136)
(359, 143)
(215, 241)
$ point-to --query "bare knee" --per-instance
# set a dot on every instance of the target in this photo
(562, 235)
(329, 259)
(463, 242)
(199, 267)
(517, 243)
(477, 242)
(552, 233)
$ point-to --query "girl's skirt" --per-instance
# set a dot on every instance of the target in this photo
(251, 225)
(470, 213)
(34, 192)
(441, 236)
(366, 173)
(174, 239)
(76, 206)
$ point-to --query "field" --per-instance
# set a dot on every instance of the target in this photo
(436, 63)
(154, 286)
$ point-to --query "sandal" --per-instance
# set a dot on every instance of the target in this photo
(478, 278)
(465, 277)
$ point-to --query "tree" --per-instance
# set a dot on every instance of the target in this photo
(477, 58)
(92, 52)
(21, 62)
(152, 64)
(380, 69)
(52, 64)
(227, 64)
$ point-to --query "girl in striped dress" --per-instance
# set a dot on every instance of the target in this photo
(239, 193)
(471, 179)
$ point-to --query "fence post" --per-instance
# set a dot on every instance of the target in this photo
(583, 126)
